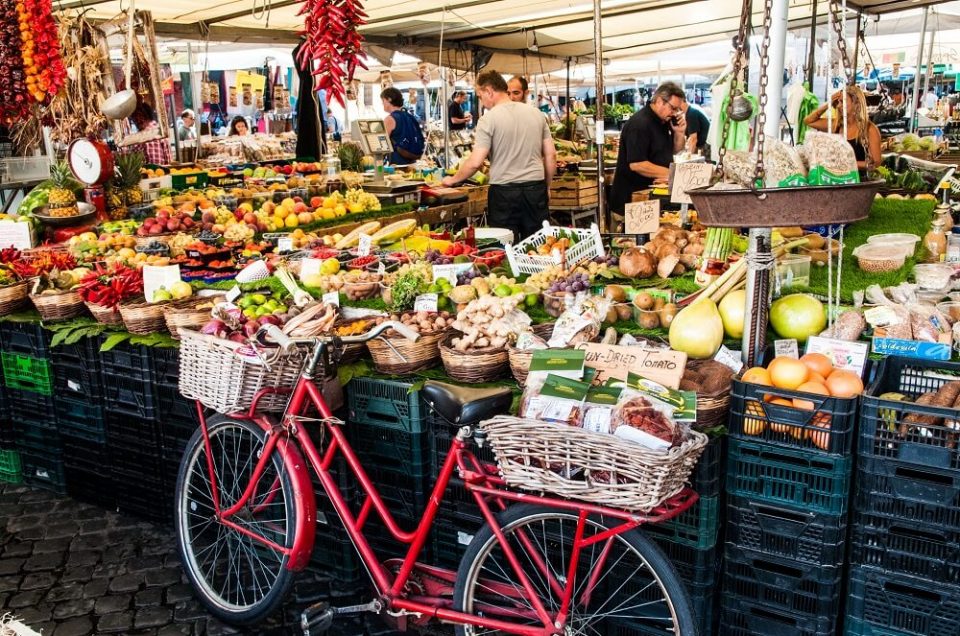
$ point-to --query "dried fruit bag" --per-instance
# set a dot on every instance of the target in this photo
(830, 158)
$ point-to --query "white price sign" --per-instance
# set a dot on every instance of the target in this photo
(331, 298)
(787, 348)
(729, 358)
(688, 176)
(157, 277)
(285, 244)
(366, 242)
(309, 267)
(425, 302)
(450, 272)
(642, 217)
(233, 294)
(851, 356)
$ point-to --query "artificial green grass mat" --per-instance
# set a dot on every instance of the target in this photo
(886, 216)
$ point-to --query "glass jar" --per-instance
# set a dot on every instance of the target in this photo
(333, 165)
(935, 242)
(942, 213)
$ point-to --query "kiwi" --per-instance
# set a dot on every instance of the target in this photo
(615, 293)
(643, 300)
(658, 303)
(612, 315)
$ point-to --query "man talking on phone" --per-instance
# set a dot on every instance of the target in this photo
(647, 144)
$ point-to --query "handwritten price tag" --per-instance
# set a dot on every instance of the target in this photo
(688, 176)
(450, 272)
(366, 242)
(642, 217)
(425, 302)
(285, 244)
(787, 347)
(331, 298)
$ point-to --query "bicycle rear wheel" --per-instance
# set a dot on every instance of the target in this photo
(623, 585)
(238, 578)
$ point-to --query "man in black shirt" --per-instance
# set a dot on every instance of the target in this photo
(458, 119)
(647, 144)
(698, 127)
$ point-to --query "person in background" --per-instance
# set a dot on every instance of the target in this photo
(186, 129)
(403, 128)
(458, 119)
(698, 128)
(862, 133)
(334, 127)
(518, 89)
(648, 142)
(155, 151)
(517, 141)
(239, 126)
(930, 100)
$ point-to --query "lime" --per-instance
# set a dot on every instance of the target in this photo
(434, 289)
(258, 299)
(531, 300)
(250, 313)
(443, 303)
(244, 302)
(502, 290)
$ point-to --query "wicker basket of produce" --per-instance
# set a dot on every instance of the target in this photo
(105, 315)
(13, 297)
(353, 327)
(598, 468)
(712, 381)
(141, 317)
(58, 305)
(472, 364)
(226, 376)
(520, 359)
(190, 313)
(394, 354)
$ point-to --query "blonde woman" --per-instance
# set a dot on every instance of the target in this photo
(862, 134)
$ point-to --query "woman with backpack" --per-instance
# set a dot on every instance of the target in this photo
(403, 128)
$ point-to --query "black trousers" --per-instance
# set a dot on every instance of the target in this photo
(519, 207)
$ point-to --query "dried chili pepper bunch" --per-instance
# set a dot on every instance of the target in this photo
(108, 287)
(14, 98)
(43, 263)
(333, 41)
(42, 62)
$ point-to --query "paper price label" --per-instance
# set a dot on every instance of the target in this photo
(285, 244)
(786, 348)
(450, 272)
(642, 217)
(425, 302)
(851, 356)
(729, 358)
(309, 267)
(688, 176)
(233, 294)
(156, 277)
(366, 242)
(331, 298)
(556, 256)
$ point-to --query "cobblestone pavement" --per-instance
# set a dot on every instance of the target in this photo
(70, 569)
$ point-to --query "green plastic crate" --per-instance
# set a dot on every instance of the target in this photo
(27, 374)
(10, 470)
(386, 403)
(697, 527)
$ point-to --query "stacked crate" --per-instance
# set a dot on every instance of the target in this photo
(788, 482)
(905, 555)
(177, 420)
(28, 382)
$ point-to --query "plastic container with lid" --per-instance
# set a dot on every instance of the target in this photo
(933, 276)
(877, 259)
(897, 239)
(793, 270)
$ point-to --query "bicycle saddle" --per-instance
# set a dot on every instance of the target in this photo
(460, 405)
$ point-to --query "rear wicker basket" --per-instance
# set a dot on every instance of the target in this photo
(212, 372)
(574, 463)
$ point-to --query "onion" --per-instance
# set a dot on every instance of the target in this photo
(215, 327)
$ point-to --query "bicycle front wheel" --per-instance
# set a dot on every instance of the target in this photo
(622, 584)
(240, 579)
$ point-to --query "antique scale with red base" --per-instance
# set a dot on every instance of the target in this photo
(91, 162)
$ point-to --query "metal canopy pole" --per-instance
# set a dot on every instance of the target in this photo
(569, 105)
(755, 322)
(812, 47)
(914, 117)
(601, 102)
(445, 115)
(929, 69)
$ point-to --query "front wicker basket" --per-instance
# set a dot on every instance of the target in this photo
(60, 305)
(568, 461)
(143, 318)
(212, 372)
(478, 365)
(399, 356)
(13, 297)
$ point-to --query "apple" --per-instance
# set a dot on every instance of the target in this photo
(155, 229)
(238, 214)
(173, 225)
(305, 217)
(249, 217)
(187, 222)
(299, 207)
(316, 202)
(209, 217)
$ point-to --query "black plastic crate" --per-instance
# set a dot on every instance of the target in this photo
(697, 527)
(142, 494)
(129, 381)
(91, 486)
(705, 604)
(133, 444)
(44, 470)
(7, 436)
(25, 338)
(739, 617)
(175, 433)
(39, 438)
(85, 453)
(908, 605)
(81, 418)
(77, 369)
(174, 406)
(695, 567)
(901, 545)
(856, 627)
(899, 490)
(793, 533)
(805, 589)
(795, 477)
(826, 428)
(451, 534)
(883, 429)
(390, 447)
(708, 475)
(34, 408)
(166, 365)
(387, 403)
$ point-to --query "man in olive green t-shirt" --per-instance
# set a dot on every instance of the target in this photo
(516, 139)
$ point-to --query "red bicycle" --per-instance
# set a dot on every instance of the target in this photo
(539, 566)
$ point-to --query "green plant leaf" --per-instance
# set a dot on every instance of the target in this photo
(113, 340)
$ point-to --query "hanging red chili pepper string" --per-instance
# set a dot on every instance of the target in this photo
(333, 41)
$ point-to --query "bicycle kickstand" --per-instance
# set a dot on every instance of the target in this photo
(318, 618)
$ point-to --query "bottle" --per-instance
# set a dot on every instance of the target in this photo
(936, 242)
(942, 213)
(953, 246)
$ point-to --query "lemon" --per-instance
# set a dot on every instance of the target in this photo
(330, 266)
(355, 207)
(181, 289)
(340, 210)
(292, 221)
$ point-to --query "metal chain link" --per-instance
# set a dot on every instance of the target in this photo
(760, 171)
(841, 41)
(746, 12)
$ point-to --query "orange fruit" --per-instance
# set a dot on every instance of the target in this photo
(817, 363)
(844, 384)
(810, 387)
(756, 375)
(787, 373)
(778, 426)
(816, 377)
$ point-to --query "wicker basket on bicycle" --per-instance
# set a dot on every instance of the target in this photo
(222, 377)
(593, 467)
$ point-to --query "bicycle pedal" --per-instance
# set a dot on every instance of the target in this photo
(318, 618)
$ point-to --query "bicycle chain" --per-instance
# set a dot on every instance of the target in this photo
(740, 57)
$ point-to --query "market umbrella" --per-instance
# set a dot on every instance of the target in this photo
(311, 127)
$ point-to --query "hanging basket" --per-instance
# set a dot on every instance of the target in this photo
(776, 207)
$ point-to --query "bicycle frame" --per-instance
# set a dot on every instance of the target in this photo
(486, 487)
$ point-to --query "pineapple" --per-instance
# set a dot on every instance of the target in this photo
(116, 207)
(129, 167)
(61, 201)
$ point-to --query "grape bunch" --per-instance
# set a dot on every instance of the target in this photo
(577, 282)
(607, 259)
(464, 278)
(434, 257)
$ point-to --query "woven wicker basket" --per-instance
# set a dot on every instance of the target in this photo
(520, 359)
(105, 315)
(143, 318)
(712, 408)
(594, 467)
(351, 352)
(13, 297)
(184, 313)
(399, 356)
(480, 365)
(58, 306)
(212, 372)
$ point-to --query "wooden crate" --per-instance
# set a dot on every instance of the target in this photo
(573, 193)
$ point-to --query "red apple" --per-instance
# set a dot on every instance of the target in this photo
(316, 202)
(155, 229)
(300, 207)
(249, 217)
(173, 225)
(162, 214)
